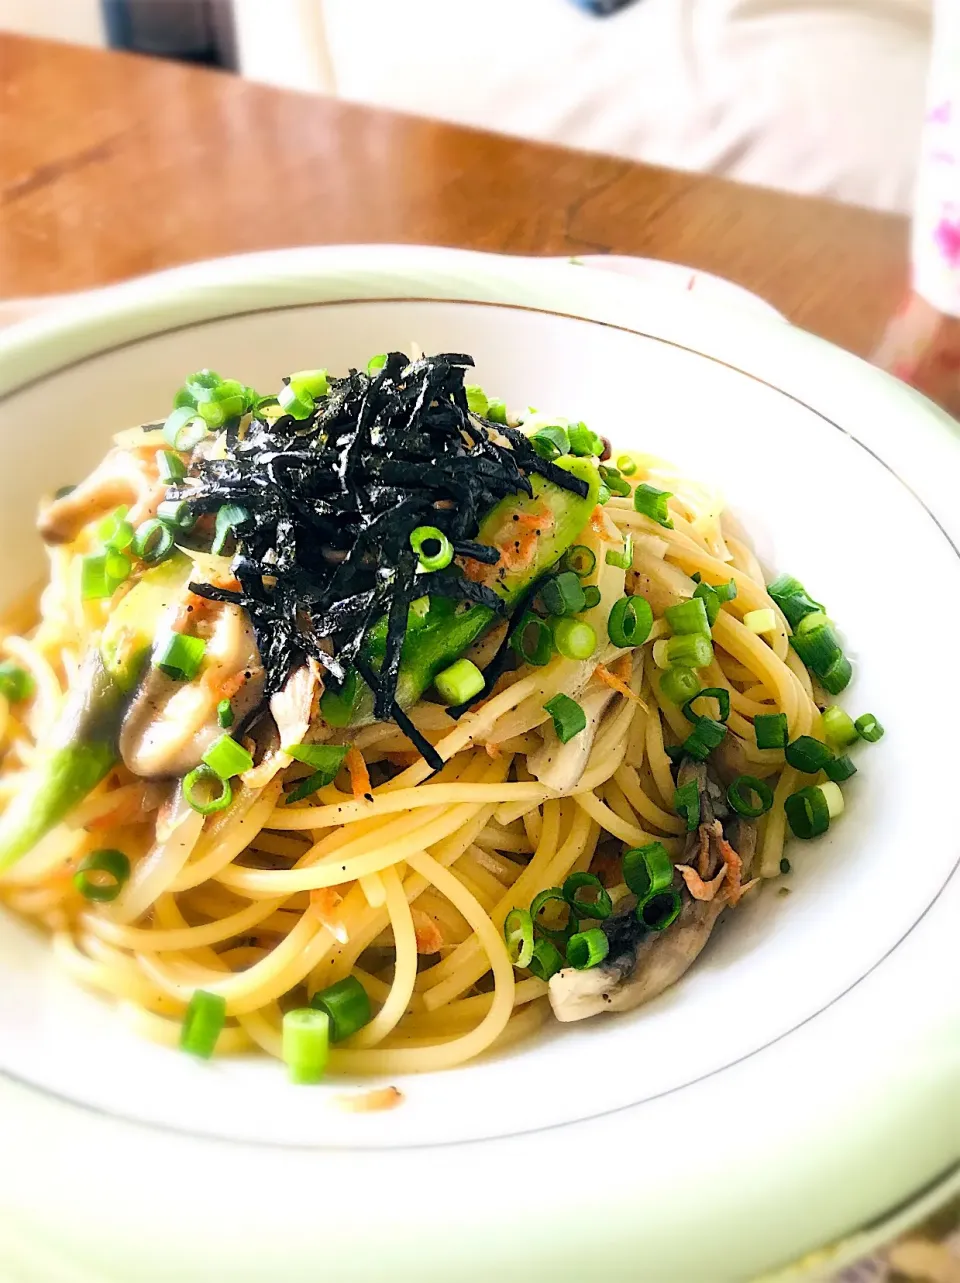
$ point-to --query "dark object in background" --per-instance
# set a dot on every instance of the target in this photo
(198, 31)
(602, 8)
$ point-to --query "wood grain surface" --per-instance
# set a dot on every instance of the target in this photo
(113, 165)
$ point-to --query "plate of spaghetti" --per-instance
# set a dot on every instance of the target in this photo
(448, 700)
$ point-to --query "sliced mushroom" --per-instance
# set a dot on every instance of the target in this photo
(560, 766)
(660, 962)
(123, 476)
(639, 966)
(171, 724)
(294, 706)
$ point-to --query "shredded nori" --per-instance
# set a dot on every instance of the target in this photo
(333, 500)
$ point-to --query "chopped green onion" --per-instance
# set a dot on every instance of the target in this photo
(760, 621)
(807, 812)
(679, 684)
(205, 1016)
(229, 401)
(660, 911)
(791, 596)
(808, 754)
(587, 948)
(346, 1004)
(630, 622)
(727, 591)
(686, 803)
(687, 650)
(647, 869)
(868, 728)
(551, 895)
(818, 648)
(206, 792)
(227, 758)
(101, 574)
(583, 441)
(836, 676)
(838, 726)
(376, 363)
(580, 559)
(518, 934)
(704, 738)
(184, 428)
(176, 512)
(309, 383)
(591, 596)
(627, 464)
(840, 769)
(653, 504)
(539, 650)
(297, 405)
(496, 410)
(689, 617)
(171, 467)
(179, 656)
(110, 869)
(225, 714)
(771, 730)
(551, 442)
(563, 594)
(710, 692)
(322, 757)
(153, 541)
(574, 638)
(622, 560)
(306, 1044)
(569, 718)
(477, 402)
(432, 547)
(462, 680)
(603, 495)
(115, 532)
(708, 595)
(16, 683)
(601, 906)
(229, 517)
(546, 960)
(614, 482)
(737, 796)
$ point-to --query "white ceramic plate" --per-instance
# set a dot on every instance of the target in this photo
(797, 1084)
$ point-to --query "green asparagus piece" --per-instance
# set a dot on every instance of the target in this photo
(434, 640)
(84, 742)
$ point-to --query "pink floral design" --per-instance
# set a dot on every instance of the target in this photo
(947, 238)
(941, 114)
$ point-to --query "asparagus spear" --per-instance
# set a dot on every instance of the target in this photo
(444, 635)
(83, 746)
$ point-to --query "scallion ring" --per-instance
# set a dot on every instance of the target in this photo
(647, 869)
(718, 693)
(101, 875)
(600, 907)
(738, 796)
(206, 792)
(433, 549)
(630, 622)
(518, 934)
(587, 948)
(154, 541)
(660, 910)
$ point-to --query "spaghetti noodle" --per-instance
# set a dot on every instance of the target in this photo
(397, 879)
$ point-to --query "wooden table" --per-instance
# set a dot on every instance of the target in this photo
(112, 165)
